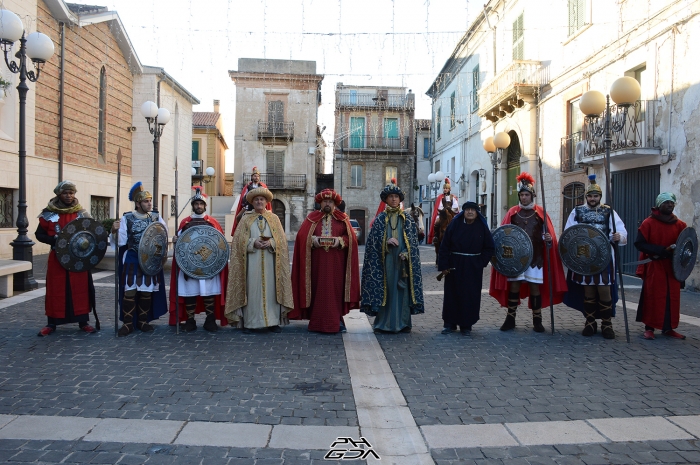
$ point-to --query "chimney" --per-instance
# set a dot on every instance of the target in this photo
(216, 106)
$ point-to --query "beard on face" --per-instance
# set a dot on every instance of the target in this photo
(327, 209)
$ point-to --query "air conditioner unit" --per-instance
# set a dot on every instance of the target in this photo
(581, 148)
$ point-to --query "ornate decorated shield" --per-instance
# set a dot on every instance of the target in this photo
(513, 250)
(81, 244)
(685, 254)
(584, 249)
(153, 248)
(201, 252)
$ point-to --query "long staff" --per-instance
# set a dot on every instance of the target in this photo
(116, 248)
(172, 268)
(609, 198)
(549, 244)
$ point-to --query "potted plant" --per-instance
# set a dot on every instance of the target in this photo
(4, 85)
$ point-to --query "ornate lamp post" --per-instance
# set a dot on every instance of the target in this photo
(625, 92)
(494, 146)
(157, 118)
(39, 49)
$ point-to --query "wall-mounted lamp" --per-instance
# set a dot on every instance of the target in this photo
(482, 173)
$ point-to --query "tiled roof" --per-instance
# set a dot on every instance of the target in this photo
(422, 123)
(205, 118)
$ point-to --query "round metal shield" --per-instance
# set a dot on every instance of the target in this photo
(153, 248)
(201, 252)
(81, 244)
(584, 249)
(685, 254)
(513, 250)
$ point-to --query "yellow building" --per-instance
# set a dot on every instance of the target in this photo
(209, 150)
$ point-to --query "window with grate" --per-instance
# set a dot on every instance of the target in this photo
(102, 118)
(518, 38)
(573, 196)
(173, 209)
(475, 88)
(356, 176)
(452, 111)
(99, 207)
(577, 15)
(6, 208)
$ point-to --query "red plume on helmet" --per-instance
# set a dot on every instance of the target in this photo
(393, 180)
(525, 176)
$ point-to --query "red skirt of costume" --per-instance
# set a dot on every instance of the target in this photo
(499, 285)
(328, 277)
(219, 301)
(56, 275)
(659, 285)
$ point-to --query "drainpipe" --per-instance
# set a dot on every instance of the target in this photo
(61, 81)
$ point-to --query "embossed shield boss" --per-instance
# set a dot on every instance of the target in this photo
(685, 254)
(201, 252)
(153, 248)
(584, 249)
(81, 244)
(513, 250)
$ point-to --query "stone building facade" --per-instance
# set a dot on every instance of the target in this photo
(209, 150)
(513, 73)
(374, 142)
(276, 130)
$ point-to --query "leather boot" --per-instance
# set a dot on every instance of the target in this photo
(144, 307)
(606, 320)
(128, 309)
(513, 301)
(210, 322)
(589, 308)
(190, 308)
(536, 304)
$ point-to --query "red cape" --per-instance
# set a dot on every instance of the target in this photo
(302, 255)
(239, 207)
(499, 284)
(219, 304)
(55, 305)
(438, 201)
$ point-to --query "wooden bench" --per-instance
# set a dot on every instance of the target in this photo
(7, 270)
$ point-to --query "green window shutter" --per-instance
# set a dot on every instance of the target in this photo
(518, 38)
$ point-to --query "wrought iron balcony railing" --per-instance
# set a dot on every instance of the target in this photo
(505, 92)
(280, 180)
(632, 129)
(367, 99)
(568, 151)
(350, 143)
(276, 129)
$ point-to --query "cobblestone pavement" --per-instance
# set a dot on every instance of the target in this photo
(301, 378)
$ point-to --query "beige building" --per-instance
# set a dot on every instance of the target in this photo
(374, 142)
(209, 150)
(276, 130)
(513, 73)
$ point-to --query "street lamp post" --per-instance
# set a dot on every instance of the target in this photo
(495, 146)
(38, 48)
(157, 118)
(625, 91)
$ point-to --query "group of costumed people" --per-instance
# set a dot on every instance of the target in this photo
(257, 291)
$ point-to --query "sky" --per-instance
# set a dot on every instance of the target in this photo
(356, 42)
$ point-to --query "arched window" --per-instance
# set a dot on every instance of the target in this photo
(573, 196)
(102, 117)
(279, 210)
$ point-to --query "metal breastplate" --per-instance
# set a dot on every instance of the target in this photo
(599, 217)
(134, 228)
(53, 217)
(533, 227)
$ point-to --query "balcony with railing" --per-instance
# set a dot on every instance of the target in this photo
(633, 137)
(511, 88)
(278, 181)
(275, 130)
(373, 100)
(374, 143)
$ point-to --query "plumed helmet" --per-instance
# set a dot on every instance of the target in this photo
(593, 187)
(255, 171)
(391, 189)
(198, 195)
(137, 193)
(526, 183)
(446, 185)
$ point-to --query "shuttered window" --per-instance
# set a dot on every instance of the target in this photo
(275, 162)
(452, 111)
(475, 88)
(439, 115)
(518, 38)
(577, 15)
(102, 118)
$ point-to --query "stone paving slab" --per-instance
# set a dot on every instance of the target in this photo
(146, 431)
(47, 428)
(689, 423)
(200, 433)
(554, 432)
(639, 429)
(444, 436)
(309, 437)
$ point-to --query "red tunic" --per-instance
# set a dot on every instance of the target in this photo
(324, 284)
(438, 201)
(239, 207)
(657, 275)
(219, 304)
(499, 283)
(56, 278)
